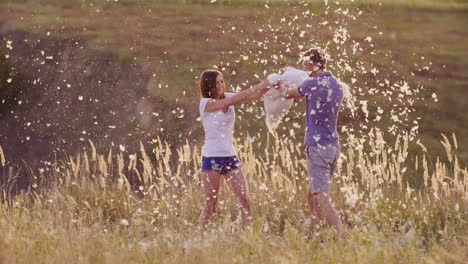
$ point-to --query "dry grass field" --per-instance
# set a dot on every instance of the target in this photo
(84, 209)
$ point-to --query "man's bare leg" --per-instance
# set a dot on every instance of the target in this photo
(321, 209)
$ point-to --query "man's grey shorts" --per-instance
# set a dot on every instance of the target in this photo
(321, 164)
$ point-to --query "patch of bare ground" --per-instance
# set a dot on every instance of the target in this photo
(63, 94)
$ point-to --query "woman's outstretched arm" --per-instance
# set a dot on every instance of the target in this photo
(247, 95)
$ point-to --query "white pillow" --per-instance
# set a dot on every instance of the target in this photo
(346, 90)
(276, 106)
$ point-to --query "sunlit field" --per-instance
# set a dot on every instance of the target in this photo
(101, 140)
(97, 209)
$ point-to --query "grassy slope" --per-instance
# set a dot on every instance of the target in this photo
(177, 41)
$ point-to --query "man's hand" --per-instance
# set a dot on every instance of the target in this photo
(283, 89)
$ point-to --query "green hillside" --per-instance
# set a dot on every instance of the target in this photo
(421, 42)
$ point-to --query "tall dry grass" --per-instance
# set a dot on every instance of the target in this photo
(143, 208)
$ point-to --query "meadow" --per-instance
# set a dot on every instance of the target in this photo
(401, 185)
(93, 208)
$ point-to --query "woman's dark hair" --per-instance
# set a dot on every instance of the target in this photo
(208, 83)
(316, 56)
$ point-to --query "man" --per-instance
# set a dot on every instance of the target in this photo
(324, 95)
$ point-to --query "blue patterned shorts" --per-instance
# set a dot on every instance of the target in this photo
(321, 164)
(222, 165)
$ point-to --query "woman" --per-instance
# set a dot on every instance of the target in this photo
(219, 156)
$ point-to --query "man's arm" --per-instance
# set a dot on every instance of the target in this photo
(300, 100)
(291, 93)
(288, 93)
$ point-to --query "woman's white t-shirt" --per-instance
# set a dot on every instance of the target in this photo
(219, 130)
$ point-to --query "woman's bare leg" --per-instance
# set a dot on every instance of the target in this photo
(236, 180)
(210, 181)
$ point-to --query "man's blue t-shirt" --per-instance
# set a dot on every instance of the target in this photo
(324, 95)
